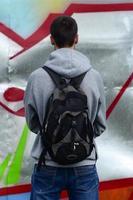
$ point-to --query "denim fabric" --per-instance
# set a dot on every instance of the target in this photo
(81, 183)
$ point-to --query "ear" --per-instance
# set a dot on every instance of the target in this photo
(76, 39)
(52, 40)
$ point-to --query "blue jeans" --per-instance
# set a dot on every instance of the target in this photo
(81, 183)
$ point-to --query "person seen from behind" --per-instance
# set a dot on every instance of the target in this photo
(73, 167)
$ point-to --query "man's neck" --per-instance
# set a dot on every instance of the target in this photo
(72, 47)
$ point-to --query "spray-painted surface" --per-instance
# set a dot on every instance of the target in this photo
(106, 38)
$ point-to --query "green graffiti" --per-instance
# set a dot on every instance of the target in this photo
(4, 165)
(14, 173)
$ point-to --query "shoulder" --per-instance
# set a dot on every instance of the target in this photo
(40, 72)
(38, 75)
(95, 75)
(40, 80)
(93, 82)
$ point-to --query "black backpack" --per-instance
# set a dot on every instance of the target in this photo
(67, 132)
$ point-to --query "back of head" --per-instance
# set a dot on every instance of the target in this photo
(64, 30)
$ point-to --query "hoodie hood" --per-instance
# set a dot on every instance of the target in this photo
(68, 62)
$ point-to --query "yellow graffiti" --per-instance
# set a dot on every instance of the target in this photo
(45, 7)
(58, 5)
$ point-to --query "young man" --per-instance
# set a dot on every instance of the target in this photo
(80, 179)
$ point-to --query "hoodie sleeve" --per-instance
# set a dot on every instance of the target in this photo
(31, 115)
(100, 120)
(38, 90)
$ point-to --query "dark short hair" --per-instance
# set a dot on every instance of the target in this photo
(64, 29)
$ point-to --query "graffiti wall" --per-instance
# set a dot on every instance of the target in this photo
(106, 37)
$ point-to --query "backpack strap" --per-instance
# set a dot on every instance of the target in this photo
(76, 81)
(59, 81)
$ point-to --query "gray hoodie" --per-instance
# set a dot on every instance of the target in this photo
(69, 63)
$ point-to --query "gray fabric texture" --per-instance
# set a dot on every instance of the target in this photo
(68, 63)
